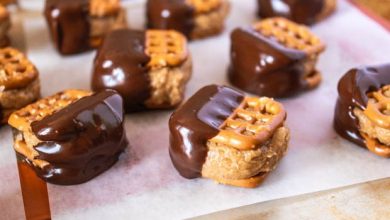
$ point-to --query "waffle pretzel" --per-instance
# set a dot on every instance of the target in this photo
(251, 124)
(204, 6)
(16, 71)
(378, 108)
(23, 118)
(290, 34)
(104, 7)
(165, 48)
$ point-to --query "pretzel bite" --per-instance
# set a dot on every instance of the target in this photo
(222, 135)
(19, 82)
(194, 18)
(72, 136)
(77, 26)
(363, 108)
(300, 11)
(275, 57)
(149, 69)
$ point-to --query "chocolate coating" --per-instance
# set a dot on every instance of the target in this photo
(170, 14)
(197, 121)
(301, 11)
(82, 140)
(121, 64)
(68, 24)
(353, 88)
(264, 67)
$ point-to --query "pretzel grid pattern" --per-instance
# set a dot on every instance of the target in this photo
(252, 123)
(103, 7)
(290, 34)
(204, 6)
(165, 48)
(378, 107)
(37, 111)
(15, 69)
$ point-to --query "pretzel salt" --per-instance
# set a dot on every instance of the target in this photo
(204, 6)
(251, 124)
(165, 48)
(22, 119)
(16, 71)
(290, 34)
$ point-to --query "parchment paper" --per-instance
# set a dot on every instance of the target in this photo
(145, 185)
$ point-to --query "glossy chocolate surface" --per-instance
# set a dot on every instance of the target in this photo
(69, 24)
(264, 67)
(82, 140)
(301, 11)
(170, 14)
(121, 64)
(353, 88)
(197, 121)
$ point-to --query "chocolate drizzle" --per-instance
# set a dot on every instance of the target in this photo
(353, 88)
(82, 140)
(121, 64)
(301, 11)
(264, 67)
(197, 121)
(68, 21)
(34, 191)
(170, 14)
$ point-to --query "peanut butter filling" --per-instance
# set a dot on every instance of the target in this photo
(374, 122)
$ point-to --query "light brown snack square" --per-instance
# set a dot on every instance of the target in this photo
(19, 82)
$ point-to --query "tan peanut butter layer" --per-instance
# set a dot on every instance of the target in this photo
(378, 112)
(290, 34)
(101, 8)
(251, 124)
(378, 108)
(165, 48)
(16, 71)
(204, 6)
(21, 120)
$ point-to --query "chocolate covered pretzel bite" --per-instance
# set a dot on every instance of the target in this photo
(275, 57)
(19, 82)
(223, 135)
(149, 69)
(301, 11)
(72, 136)
(79, 25)
(362, 112)
(194, 18)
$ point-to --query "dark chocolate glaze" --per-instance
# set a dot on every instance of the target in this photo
(352, 89)
(121, 64)
(68, 22)
(197, 121)
(170, 14)
(301, 11)
(264, 67)
(82, 140)
(1, 115)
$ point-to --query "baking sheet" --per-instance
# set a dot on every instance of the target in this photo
(145, 185)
